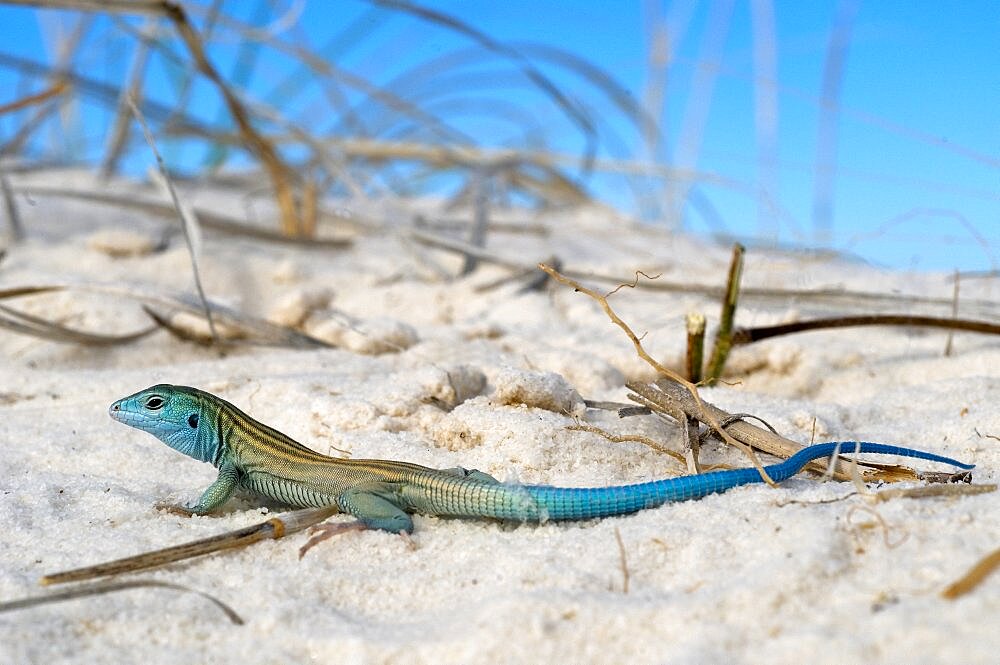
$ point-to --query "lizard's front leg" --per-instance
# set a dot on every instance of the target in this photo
(213, 497)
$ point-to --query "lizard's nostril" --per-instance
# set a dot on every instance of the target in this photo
(114, 408)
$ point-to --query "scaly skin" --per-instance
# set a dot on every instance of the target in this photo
(381, 494)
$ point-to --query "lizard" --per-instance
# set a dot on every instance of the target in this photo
(382, 494)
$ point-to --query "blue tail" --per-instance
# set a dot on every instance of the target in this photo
(540, 502)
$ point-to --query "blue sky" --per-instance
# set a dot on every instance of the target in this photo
(915, 134)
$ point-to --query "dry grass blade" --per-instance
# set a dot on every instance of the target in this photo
(59, 88)
(281, 176)
(699, 104)
(826, 141)
(156, 7)
(27, 324)
(119, 133)
(208, 219)
(21, 291)
(189, 222)
(571, 110)
(249, 329)
(92, 89)
(481, 183)
(974, 577)
(241, 328)
(10, 207)
(765, 103)
(451, 245)
(601, 79)
(112, 587)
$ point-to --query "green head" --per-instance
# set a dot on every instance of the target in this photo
(178, 416)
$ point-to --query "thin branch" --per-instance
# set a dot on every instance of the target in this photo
(627, 438)
(706, 417)
(679, 398)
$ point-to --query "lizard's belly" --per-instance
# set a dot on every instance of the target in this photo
(286, 491)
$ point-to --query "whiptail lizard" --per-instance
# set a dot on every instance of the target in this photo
(382, 494)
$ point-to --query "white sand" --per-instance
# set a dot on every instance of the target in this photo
(739, 577)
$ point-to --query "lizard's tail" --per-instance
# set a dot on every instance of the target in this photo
(541, 502)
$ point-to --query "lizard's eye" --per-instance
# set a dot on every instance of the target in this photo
(193, 421)
(155, 402)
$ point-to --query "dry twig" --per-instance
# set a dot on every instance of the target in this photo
(707, 418)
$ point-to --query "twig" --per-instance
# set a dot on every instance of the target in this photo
(706, 417)
(743, 431)
(111, 587)
(626, 438)
(974, 577)
(724, 335)
(274, 528)
(881, 522)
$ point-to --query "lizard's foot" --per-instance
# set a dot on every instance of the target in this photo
(322, 532)
(174, 509)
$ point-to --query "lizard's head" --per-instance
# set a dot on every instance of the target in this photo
(174, 415)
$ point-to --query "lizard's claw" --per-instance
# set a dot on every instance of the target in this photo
(322, 532)
(174, 509)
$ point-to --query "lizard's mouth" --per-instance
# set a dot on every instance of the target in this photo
(122, 415)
